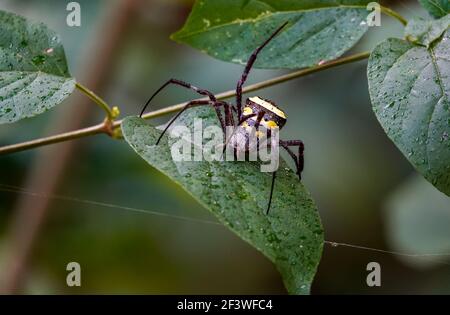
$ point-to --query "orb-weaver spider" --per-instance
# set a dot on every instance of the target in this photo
(257, 111)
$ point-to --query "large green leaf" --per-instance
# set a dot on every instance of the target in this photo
(33, 69)
(318, 30)
(291, 235)
(409, 87)
(437, 8)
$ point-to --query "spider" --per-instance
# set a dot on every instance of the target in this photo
(256, 111)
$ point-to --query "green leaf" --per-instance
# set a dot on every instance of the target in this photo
(417, 217)
(437, 8)
(33, 70)
(318, 31)
(409, 87)
(291, 235)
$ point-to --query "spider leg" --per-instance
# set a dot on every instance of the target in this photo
(227, 140)
(249, 66)
(299, 160)
(188, 86)
(274, 175)
(188, 105)
(244, 119)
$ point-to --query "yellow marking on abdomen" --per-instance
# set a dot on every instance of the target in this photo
(268, 106)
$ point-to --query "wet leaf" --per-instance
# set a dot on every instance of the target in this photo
(291, 235)
(33, 70)
(437, 8)
(318, 31)
(409, 87)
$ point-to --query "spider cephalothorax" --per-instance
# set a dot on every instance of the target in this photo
(257, 112)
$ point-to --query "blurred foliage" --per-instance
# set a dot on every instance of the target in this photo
(408, 86)
(417, 220)
(351, 168)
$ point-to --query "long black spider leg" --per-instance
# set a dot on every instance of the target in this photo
(188, 86)
(188, 105)
(249, 66)
(299, 160)
(274, 175)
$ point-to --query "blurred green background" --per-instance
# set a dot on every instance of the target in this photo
(366, 191)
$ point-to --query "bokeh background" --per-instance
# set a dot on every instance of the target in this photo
(366, 191)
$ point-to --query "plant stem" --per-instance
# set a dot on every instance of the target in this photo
(97, 99)
(394, 14)
(106, 128)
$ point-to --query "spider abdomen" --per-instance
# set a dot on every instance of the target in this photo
(263, 112)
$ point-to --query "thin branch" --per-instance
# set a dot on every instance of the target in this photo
(106, 129)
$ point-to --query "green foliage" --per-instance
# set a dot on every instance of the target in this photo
(33, 69)
(237, 193)
(437, 8)
(317, 30)
(409, 85)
